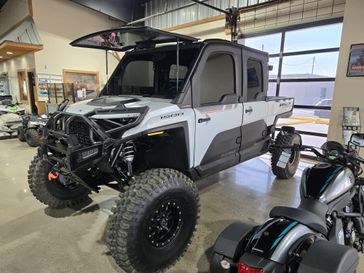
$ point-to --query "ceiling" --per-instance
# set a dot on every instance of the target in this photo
(2, 3)
(10, 50)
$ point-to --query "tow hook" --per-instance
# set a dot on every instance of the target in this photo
(54, 173)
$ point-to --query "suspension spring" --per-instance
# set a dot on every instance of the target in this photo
(128, 153)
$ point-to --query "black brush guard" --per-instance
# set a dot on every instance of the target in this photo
(77, 141)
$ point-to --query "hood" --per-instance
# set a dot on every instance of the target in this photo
(111, 102)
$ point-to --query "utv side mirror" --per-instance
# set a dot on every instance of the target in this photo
(62, 105)
(357, 139)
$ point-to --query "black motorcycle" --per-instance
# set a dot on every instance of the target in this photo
(322, 235)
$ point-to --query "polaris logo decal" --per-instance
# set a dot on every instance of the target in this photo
(174, 115)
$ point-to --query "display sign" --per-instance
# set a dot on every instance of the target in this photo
(81, 85)
(356, 61)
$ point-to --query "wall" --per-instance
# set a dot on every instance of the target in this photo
(348, 91)
(58, 23)
(13, 13)
(279, 15)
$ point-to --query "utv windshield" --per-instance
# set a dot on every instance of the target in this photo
(152, 74)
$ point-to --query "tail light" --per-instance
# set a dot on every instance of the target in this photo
(244, 268)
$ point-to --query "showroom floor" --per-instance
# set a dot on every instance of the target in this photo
(36, 239)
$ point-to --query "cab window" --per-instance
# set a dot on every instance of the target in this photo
(255, 80)
(217, 79)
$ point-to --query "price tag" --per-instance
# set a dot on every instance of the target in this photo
(283, 159)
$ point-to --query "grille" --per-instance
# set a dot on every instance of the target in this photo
(82, 131)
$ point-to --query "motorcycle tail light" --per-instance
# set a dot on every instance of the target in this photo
(244, 268)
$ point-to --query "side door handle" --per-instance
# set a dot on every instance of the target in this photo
(248, 110)
(201, 120)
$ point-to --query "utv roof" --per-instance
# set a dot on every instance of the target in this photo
(126, 38)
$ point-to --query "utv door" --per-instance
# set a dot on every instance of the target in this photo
(218, 114)
(255, 85)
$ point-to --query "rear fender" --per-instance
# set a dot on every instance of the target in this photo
(274, 239)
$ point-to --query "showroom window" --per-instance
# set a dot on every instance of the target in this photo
(217, 82)
(304, 60)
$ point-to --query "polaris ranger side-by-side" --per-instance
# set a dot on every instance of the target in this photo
(175, 110)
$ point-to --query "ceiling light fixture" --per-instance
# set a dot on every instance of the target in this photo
(9, 53)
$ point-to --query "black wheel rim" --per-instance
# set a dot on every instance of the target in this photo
(165, 223)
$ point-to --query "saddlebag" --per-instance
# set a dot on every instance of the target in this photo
(328, 257)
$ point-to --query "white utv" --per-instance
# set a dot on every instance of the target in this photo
(174, 110)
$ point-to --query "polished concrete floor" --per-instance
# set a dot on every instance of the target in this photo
(36, 239)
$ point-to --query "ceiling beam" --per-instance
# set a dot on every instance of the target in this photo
(10, 50)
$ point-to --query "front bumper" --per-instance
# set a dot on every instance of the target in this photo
(78, 141)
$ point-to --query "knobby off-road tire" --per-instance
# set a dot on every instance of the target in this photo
(134, 237)
(32, 168)
(284, 138)
(20, 133)
(53, 193)
(32, 137)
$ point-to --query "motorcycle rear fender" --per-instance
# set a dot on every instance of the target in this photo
(275, 238)
(328, 257)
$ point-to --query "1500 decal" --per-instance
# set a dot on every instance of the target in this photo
(174, 115)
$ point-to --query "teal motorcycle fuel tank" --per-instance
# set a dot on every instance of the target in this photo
(326, 182)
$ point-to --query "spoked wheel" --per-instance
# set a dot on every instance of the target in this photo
(56, 192)
(154, 221)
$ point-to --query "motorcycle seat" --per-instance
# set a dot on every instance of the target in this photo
(302, 216)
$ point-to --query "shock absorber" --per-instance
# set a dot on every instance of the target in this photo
(128, 156)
